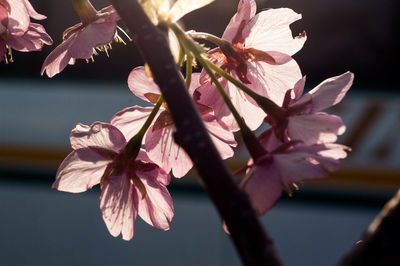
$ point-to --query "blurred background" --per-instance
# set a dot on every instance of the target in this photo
(325, 218)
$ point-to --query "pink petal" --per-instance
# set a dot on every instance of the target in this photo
(335, 151)
(269, 31)
(18, 18)
(160, 175)
(273, 81)
(140, 84)
(32, 12)
(330, 91)
(101, 135)
(299, 88)
(245, 11)
(263, 186)
(297, 166)
(3, 19)
(162, 149)
(209, 96)
(80, 171)
(329, 150)
(33, 39)
(118, 204)
(269, 141)
(250, 112)
(130, 120)
(316, 128)
(92, 36)
(59, 58)
(223, 139)
(195, 83)
(183, 7)
(156, 208)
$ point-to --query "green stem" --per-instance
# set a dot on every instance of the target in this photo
(188, 70)
(268, 106)
(133, 146)
(249, 138)
(87, 13)
(209, 37)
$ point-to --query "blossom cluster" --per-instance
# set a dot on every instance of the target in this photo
(254, 81)
(17, 32)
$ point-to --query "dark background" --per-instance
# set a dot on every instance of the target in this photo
(360, 36)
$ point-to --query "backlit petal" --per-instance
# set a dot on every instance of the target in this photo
(80, 171)
(269, 31)
(162, 149)
(183, 7)
(156, 208)
(330, 91)
(245, 11)
(99, 134)
(315, 128)
(118, 204)
(130, 120)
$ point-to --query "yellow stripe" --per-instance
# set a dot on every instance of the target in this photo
(18, 156)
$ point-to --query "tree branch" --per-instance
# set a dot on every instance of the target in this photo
(379, 245)
(254, 247)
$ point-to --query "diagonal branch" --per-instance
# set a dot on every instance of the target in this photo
(254, 247)
(380, 243)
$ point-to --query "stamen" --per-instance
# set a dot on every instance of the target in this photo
(8, 57)
(118, 39)
(126, 34)
(106, 50)
(288, 190)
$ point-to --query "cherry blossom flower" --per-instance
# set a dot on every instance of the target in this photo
(161, 11)
(303, 120)
(259, 56)
(84, 40)
(130, 186)
(285, 166)
(16, 30)
(159, 142)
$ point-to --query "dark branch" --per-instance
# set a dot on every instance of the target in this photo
(254, 247)
(380, 243)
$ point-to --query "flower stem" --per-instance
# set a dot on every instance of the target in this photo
(87, 13)
(209, 37)
(188, 70)
(133, 146)
(252, 144)
(268, 106)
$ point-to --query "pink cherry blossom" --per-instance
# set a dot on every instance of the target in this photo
(159, 142)
(303, 120)
(287, 166)
(16, 30)
(83, 40)
(260, 57)
(130, 186)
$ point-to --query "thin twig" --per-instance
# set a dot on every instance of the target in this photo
(379, 245)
